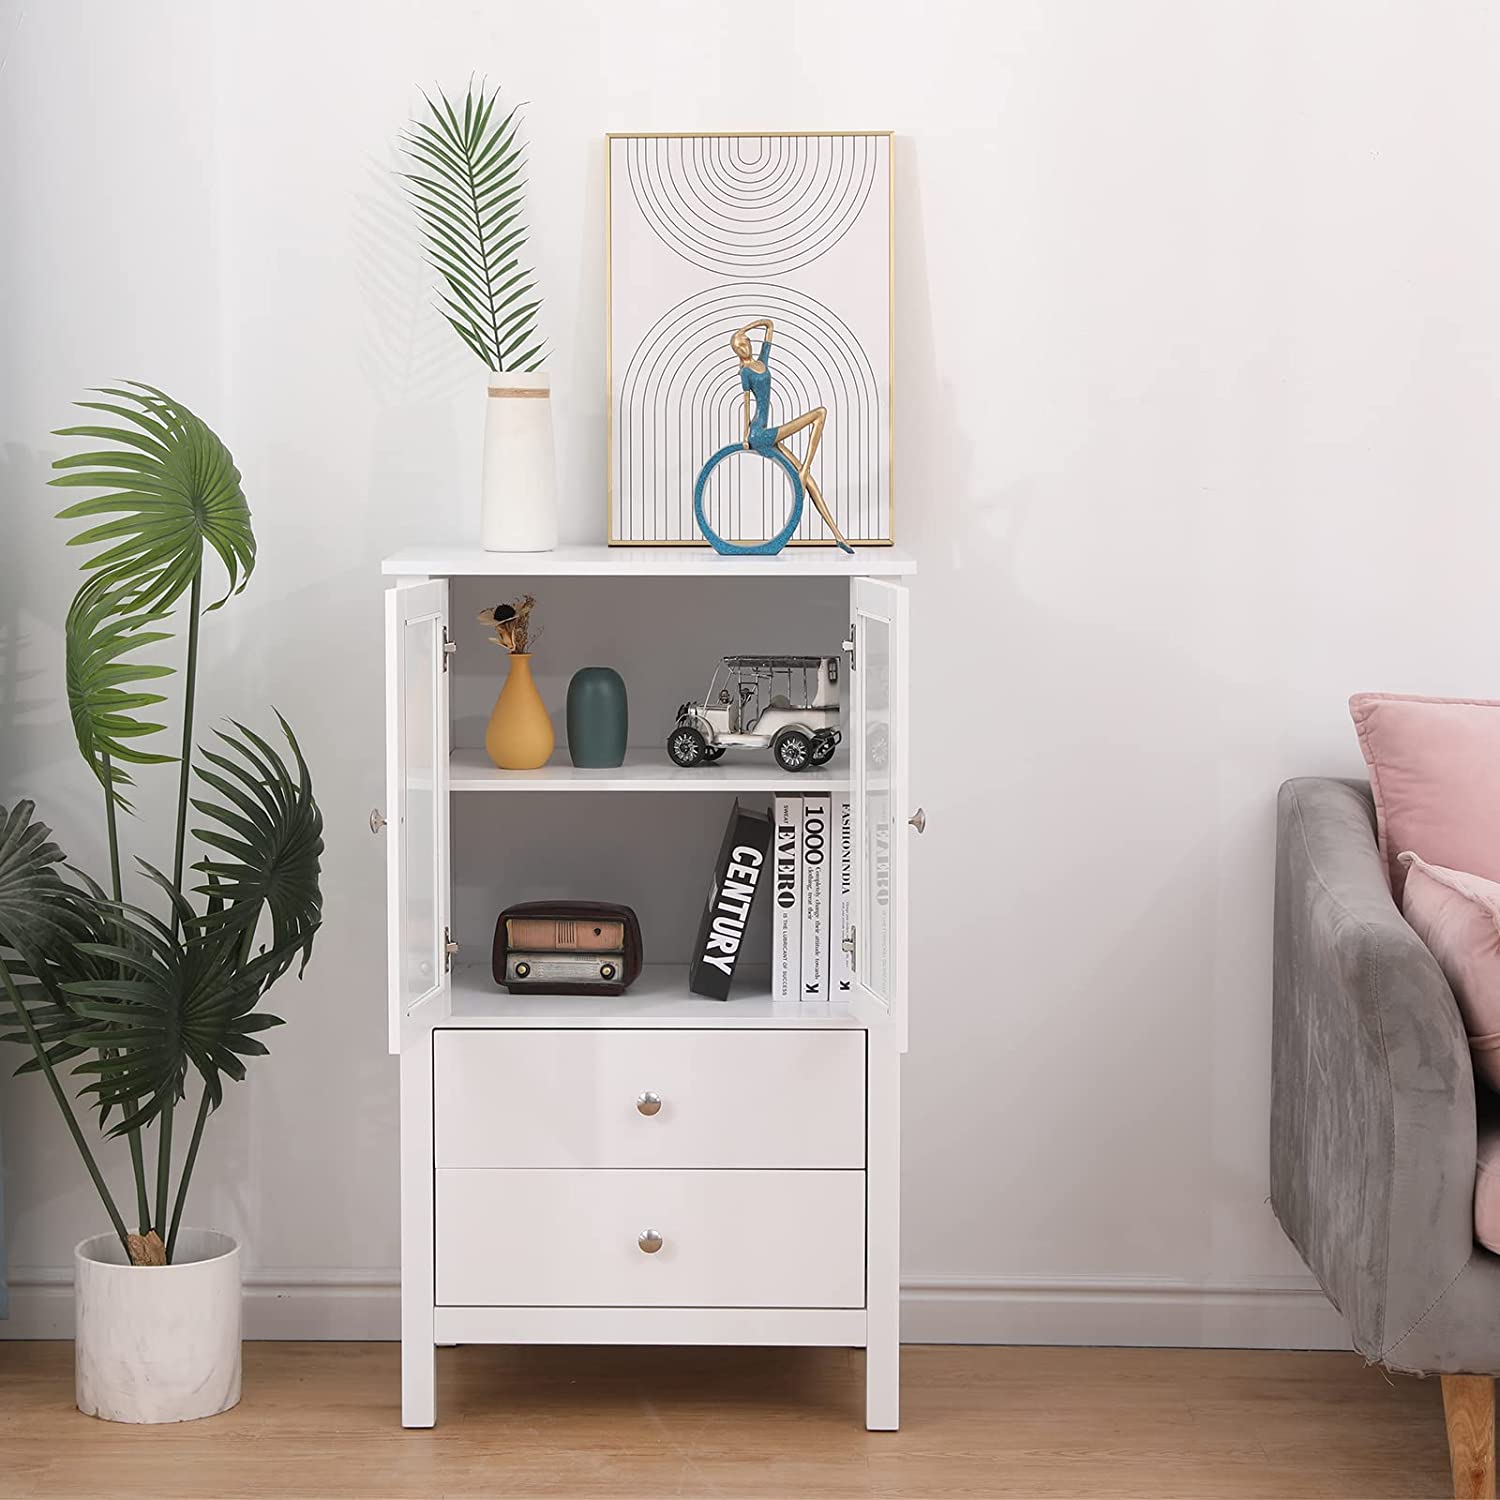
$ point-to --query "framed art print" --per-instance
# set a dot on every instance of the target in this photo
(707, 233)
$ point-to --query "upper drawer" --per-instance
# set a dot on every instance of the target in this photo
(513, 1098)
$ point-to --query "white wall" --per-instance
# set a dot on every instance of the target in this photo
(1197, 334)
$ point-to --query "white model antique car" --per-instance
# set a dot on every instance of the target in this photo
(789, 703)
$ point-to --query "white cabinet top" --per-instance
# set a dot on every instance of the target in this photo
(646, 562)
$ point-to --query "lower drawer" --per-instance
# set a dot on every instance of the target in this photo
(570, 1238)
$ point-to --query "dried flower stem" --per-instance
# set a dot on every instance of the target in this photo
(512, 622)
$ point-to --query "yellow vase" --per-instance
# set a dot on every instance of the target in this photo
(519, 737)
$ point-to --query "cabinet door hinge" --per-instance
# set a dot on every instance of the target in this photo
(449, 647)
(848, 946)
(849, 647)
(449, 949)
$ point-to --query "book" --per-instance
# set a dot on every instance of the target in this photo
(816, 926)
(786, 914)
(843, 891)
(737, 877)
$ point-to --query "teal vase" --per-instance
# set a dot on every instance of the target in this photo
(598, 717)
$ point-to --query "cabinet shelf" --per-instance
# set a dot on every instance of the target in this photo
(660, 997)
(646, 769)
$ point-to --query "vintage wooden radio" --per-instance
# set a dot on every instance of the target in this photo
(566, 948)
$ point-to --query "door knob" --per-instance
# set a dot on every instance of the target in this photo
(377, 820)
(649, 1103)
(649, 1240)
(918, 820)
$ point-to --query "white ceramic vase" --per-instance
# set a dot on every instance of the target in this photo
(519, 494)
(157, 1343)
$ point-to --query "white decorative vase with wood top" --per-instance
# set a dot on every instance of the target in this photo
(157, 1343)
(519, 503)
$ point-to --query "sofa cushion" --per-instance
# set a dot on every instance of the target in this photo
(1435, 774)
(1458, 917)
(1487, 1183)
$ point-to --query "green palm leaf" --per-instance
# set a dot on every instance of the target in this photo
(56, 1021)
(40, 913)
(177, 1003)
(172, 999)
(103, 692)
(267, 841)
(468, 189)
(53, 1020)
(42, 919)
(170, 487)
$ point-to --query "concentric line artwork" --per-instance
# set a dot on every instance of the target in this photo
(706, 233)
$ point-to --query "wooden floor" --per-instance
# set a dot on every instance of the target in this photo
(322, 1420)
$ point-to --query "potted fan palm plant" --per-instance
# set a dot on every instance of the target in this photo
(151, 1010)
(469, 192)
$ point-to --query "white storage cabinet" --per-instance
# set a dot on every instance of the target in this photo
(544, 1197)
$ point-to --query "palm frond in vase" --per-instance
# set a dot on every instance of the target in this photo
(469, 190)
(139, 1007)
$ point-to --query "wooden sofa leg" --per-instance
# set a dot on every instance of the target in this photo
(1469, 1408)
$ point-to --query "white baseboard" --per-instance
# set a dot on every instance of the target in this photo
(1280, 1313)
(303, 1304)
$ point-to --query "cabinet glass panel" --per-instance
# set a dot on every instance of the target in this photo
(421, 942)
(875, 930)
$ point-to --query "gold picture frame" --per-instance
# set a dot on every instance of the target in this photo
(888, 137)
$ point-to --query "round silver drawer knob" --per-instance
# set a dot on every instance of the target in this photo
(649, 1103)
(649, 1241)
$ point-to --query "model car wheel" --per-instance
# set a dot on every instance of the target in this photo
(822, 749)
(711, 753)
(792, 749)
(686, 747)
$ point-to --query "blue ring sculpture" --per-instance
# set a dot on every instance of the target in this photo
(773, 544)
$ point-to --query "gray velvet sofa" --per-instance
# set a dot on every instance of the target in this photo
(1373, 1117)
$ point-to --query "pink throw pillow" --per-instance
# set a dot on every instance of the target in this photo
(1458, 917)
(1435, 772)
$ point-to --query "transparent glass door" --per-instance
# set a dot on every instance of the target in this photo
(417, 818)
(878, 782)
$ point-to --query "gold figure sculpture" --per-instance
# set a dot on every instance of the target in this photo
(760, 436)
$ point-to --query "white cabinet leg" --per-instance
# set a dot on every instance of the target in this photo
(883, 1385)
(418, 1383)
(418, 1286)
(883, 1236)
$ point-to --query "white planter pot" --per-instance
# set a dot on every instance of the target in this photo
(518, 511)
(157, 1343)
